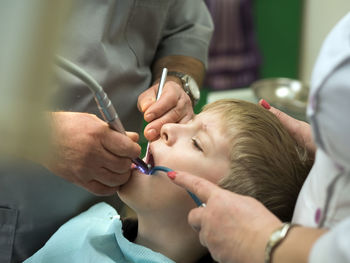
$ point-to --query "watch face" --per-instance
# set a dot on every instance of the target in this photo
(194, 88)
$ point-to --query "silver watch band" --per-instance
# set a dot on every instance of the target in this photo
(276, 239)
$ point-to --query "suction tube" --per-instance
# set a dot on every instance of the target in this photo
(166, 169)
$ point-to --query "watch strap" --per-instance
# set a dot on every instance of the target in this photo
(176, 74)
(276, 239)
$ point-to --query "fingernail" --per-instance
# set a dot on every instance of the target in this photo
(142, 107)
(171, 175)
(152, 133)
(265, 104)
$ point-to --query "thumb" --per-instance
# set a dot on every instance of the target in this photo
(133, 136)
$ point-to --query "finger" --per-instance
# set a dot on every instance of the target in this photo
(176, 114)
(97, 188)
(110, 178)
(115, 164)
(292, 125)
(287, 121)
(195, 218)
(120, 145)
(188, 116)
(147, 98)
(200, 187)
(299, 130)
(134, 136)
(170, 97)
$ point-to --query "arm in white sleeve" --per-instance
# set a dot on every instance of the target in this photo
(334, 246)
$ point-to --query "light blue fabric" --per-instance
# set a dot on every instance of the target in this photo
(94, 236)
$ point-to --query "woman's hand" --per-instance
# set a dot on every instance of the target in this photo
(234, 228)
(173, 106)
(299, 130)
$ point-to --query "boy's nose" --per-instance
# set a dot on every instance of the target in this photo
(168, 133)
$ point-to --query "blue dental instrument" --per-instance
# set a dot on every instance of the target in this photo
(159, 93)
(166, 169)
(103, 102)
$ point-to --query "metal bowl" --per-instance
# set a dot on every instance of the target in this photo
(288, 95)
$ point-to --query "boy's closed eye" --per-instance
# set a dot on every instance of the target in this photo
(196, 144)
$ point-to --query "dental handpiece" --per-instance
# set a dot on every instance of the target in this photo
(111, 117)
(104, 104)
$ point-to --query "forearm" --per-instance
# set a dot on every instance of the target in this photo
(184, 64)
(297, 245)
(53, 121)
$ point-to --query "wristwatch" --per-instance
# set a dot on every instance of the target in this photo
(189, 85)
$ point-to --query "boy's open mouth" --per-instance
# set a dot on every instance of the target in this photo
(150, 159)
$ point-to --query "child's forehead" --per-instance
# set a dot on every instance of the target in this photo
(214, 126)
(210, 121)
(209, 114)
(209, 118)
(221, 122)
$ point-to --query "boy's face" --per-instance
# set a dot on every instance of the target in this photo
(198, 147)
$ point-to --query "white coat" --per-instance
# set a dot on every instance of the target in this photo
(324, 200)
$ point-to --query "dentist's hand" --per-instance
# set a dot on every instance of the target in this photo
(233, 227)
(90, 154)
(173, 106)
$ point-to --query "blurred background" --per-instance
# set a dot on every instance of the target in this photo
(266, 39)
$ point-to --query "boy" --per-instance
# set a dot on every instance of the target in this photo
(235, 144)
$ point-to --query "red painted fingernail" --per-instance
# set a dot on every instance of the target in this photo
(171, 175)
(265, 104)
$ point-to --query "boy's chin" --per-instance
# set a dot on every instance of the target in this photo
(134, 172)
(133, 187)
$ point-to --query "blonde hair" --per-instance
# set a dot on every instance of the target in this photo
(266, 162)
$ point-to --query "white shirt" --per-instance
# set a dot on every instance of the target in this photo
(324, 200)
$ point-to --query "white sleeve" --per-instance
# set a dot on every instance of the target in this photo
(333, 246)
(329, 105)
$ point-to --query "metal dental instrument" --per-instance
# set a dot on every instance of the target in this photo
(103, 102)
(161, 83)
(159, 93)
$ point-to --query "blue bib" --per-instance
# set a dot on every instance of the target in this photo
(94, 236)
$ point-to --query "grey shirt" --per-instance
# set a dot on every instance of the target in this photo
(116, 42)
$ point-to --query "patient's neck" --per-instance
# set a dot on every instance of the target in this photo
(170, 235)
